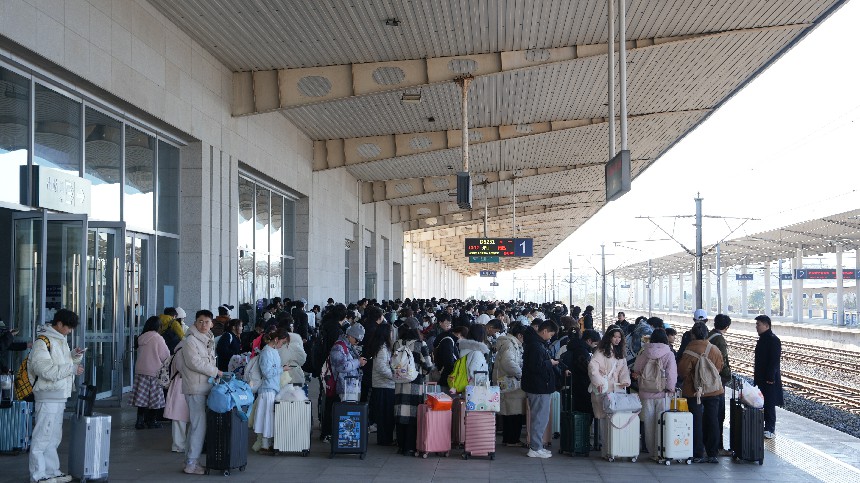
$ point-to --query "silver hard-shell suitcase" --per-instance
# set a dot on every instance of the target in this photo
(89, 448)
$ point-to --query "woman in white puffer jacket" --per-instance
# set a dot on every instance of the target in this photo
(508, 369)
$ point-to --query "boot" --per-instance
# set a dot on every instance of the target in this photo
(151, 422)
(141, 419)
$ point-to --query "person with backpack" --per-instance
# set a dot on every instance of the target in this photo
(408, 395)
(147, 394)
(717, 337)
(657, 373)
(699, 368)
(51, 368)
(271, 369)
(345, 363)
(230, 343)
(587, 318)
(474, 352)
(382, 384)
(446, 354)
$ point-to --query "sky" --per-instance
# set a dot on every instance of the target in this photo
(782, 150)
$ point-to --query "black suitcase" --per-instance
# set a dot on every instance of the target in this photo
(226, 441)
(746, 429)
(349, 428)
(575, 437)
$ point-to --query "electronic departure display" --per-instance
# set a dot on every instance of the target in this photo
(823, 274)
(499, 247)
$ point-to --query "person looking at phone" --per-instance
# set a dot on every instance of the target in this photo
(53, 366)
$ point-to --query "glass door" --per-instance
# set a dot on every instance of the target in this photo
(138, 303)
(103, 336)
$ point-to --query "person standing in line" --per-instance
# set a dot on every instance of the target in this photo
(52, 371)
(147, 394)
(768, 351)
(198, 365)
(607, 370)
(588, 318)
(508, 367)
(539, 374)
(382, 384)
(704, 405)
(654, 397)
(271, 369)
(717, 337)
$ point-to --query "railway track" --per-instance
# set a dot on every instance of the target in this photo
(816, 389)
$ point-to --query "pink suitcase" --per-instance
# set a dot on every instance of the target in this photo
(480, 434)
(434, 431)
(458, 422)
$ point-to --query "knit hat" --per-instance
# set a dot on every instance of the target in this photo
(356, 331)
(180, 314)
(412, 323)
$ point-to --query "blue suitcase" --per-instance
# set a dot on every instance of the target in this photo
(16, 426)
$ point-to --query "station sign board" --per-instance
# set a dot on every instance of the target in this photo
(499, 247)
(625, 285)
(488, 273)
(824, 274)
(785, 276)
(494, 284)
(483, 259)
(617, 172)
(743, 276)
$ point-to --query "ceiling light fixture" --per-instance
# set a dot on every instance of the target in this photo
(392, 22)
(411, 98)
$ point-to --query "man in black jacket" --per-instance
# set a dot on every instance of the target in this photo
(766, 375)
(539, 382)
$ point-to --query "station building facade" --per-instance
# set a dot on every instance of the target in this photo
(127, 187)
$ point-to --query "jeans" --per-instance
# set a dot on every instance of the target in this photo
(706, 430)
(196, 427)
(769, 414)
(539, 407)
(180, 435)
(47, 434)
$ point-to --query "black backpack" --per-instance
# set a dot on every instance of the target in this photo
(171, 338)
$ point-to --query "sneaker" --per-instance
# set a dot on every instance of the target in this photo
(194, 469)
(177, 450)
(725, 452)
(713, 459)
(62, 478)
(536, 454)
(769, 435)
(700, 460)
(371, 428)
(547, 453)
(326, 439)
(518, 444)
(47, 479)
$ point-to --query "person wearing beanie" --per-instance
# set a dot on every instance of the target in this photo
(346, 364)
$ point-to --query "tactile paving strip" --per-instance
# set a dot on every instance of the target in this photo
(812, 461)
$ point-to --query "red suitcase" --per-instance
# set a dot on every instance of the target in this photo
(458, 422)
(480, 434)
(434, 431)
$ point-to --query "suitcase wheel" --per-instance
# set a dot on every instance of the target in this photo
(226, 472)
(492, 456)
(362, 455)
(446, 454)
(668, 462)
(305, 453)
(689, 461)
(206, 471)
(760, 462)
(610, 459)
(633, 460)
(242, 468)
(423, 455)
(465, 455)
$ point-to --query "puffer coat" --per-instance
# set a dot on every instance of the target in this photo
(509, 362)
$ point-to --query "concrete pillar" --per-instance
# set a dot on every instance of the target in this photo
(768, 297)
(706, 273)
(857, 282)
(636, 293)
(724, 283)
(797, 287)
(670, 301)
(682, 306)
(744, 301)
(840, 289)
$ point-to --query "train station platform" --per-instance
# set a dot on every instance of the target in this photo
(802, 451)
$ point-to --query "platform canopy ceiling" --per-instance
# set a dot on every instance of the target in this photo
(821, 235)
(538, 102)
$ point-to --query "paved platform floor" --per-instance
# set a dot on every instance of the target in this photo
(803, 451)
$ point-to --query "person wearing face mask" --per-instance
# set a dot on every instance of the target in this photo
(508, 369)
(608, 370)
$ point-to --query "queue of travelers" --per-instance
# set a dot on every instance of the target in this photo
(533, 350)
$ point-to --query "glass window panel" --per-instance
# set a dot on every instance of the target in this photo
(289, 227)
(288, 277)
(167, 277)
(168, 188)
(103, 148)
(14, 125)
(276, 229)
(262, 278)
(275, 279)
(139, 178)
(57, 131)
(246, 287)
(261, 238)
(246, 213)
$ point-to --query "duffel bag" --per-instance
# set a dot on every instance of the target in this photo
(621, 402)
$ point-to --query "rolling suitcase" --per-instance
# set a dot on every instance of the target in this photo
(434, 431)
(226, 441)
(746, 428)
(349, 428)
(89, 448)
(575, 427)
(555, 411)
(675, 436)
(620, 436)
(458, 421)
(293, 425)
(480, 434)
(16, 426)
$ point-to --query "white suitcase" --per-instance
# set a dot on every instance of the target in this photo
(620, 436)
(675, 435)
(89, 448)
(293, 424)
